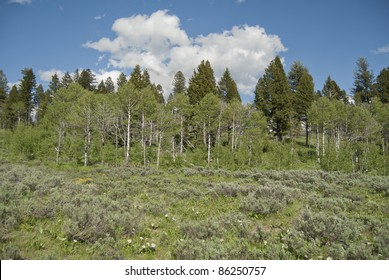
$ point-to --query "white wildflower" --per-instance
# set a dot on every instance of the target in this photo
(129, 241)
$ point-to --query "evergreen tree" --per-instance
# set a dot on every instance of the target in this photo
(227, 88)
(76, 75)
(201, 83)
(87, 80)
(66, 80)
(179, 83)
(331, 90)
(382, 85)
(273, 98)
(303, 92)
(27, 93)
(121, 80)
(109, 85)
(54, 84)
(39, 95)
(136, 78)
(146, 82)
(363, 82)
(101, 88)
(13, 108)
(3, 89)
(158, 93)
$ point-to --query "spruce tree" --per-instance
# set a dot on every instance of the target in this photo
(136, 78)
(87, 80)
(12, 108)
(201, 83)
(3, 89)
(66, 80)
(227, 88)
(332, 91)
(101, 88)
(273, 98)
(54, 84)
(27, 93)
(121, 80)
(382, 85)
(179, 83)
(303, 93)
(109, 85)
(363, 82)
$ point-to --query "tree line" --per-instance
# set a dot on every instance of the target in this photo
(204, 122)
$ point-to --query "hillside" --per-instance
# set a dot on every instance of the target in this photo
(191, 213)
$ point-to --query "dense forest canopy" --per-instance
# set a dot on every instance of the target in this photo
(128, 121)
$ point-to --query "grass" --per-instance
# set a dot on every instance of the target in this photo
(191, 213)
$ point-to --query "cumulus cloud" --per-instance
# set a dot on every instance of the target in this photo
(45, 75)
(22, 2)
(382, 50)
(159, 44)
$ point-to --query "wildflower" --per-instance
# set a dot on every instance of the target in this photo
(141, 238)
(75, 240)
(329, 259)
(174, 219)
(265, 242)
(129, 241)
(143, 247)
(197, 212)
(166, 216)
(152, 247)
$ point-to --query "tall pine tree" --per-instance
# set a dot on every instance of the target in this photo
(303, 93)
(273, 98)
(27, 93)
(201, 83)
(332, 91)
(363, 82)
(382, 85)
(227, 88)
(179, 83)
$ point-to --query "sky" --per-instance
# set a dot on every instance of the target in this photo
(165, 36)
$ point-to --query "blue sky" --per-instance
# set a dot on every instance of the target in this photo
(170, 35)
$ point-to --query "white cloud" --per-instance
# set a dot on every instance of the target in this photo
(158, 44)
(46, 75)
(22, 2)
(98, 17)
(382, 50)
(240, 1)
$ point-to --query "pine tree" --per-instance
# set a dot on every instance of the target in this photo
(363, 82)
(109, 85)
(136, 78)
(3, 89)
(27, 93)
(101, 88)
(201, 83)
(273, 98)
(54, 84)
(13, 109)
(382, 85)
(331, 90)
(121, 80)
(87, 80)
(179, 83)
(303, 93)
(227, 88)
(66, 80)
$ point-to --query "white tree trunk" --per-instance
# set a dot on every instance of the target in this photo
(159, 147)
(317, 144)
(181, 134)
(209, 148)
(128, 134)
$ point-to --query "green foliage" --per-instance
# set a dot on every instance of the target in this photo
(273, 98)
(190, 213)
(201, 83)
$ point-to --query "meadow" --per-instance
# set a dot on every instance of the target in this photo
(190, 213)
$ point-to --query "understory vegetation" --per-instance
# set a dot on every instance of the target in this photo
(190, 213)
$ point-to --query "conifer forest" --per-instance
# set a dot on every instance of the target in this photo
(123, 170)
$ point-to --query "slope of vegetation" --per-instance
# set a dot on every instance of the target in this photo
(191, 213)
